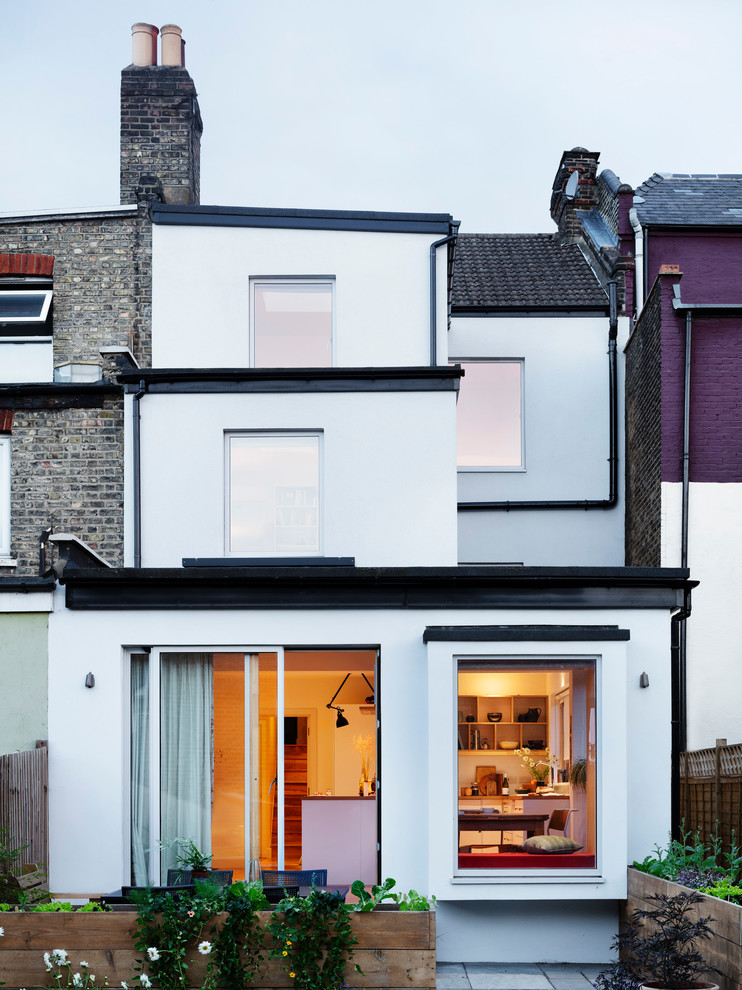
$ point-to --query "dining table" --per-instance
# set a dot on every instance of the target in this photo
(531, 823)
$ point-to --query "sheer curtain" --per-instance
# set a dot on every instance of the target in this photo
(187, 751)
(140, 769)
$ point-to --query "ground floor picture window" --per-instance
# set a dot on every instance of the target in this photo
(527, 761)
(241, 754)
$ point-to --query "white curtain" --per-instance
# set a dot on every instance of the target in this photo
(187, 751)
(140, 769)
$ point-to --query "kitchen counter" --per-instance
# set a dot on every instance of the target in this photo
(339, 834)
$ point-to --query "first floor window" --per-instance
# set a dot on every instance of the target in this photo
(489, 416)
(273, 493)
(526, 752)
(4, 496)
(292, 323)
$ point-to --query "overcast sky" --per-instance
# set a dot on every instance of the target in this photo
(456, 106)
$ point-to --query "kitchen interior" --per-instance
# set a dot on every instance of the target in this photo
(504, 709)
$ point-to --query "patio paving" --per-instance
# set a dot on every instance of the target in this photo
(516, 976)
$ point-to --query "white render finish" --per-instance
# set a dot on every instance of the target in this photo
(29, 360)
(714, 646)
(388, 495)
(201, 292)
(88, 785)
(566, 443)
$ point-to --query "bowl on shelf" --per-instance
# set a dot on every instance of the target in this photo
(535, 744)
(507, 744)
(494, 716)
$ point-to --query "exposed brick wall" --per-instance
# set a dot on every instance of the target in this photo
(644, 435)
(160, 132)
(564, 211)
(67, 471)
(102, 280)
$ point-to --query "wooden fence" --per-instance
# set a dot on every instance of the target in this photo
(711, 792)
(24, 786)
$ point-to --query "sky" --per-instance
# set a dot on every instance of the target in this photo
(452, 106)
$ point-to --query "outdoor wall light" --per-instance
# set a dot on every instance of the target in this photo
(341, 719)
(644, 679)
(89, 680)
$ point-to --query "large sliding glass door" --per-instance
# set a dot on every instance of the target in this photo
(228, 748)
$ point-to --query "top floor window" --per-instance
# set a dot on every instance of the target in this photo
(292, 322)
(25, 306)
(489, 416)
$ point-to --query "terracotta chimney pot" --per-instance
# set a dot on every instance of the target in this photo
(172, 45)
(144, 44)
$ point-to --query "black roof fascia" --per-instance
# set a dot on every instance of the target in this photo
(471, 587)
(58, 395)
(269, 561)
(542, 311)
(524, 634)
(236, 216)
(26, 585)
(424, 378)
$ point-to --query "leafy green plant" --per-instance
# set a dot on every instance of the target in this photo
(313, 939)
(190, 856)
(663, 951)
(238, 943)
(368, 900)
(167, 925)
(578, 773)
(689, 851)
(412, 901)
(725, 889)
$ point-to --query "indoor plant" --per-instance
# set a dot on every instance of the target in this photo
(190, 856)
(657, 947)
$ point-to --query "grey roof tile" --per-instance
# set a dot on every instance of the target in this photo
(684, 199)
(529, 271)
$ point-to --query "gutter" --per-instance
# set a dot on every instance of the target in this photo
(612, 500)
(451, 239)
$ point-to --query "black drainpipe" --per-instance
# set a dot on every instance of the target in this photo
(433, 321)
(603, 503)
(137, 471)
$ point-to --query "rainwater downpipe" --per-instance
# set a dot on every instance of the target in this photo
(601, 503)
(433, 308)
(137, 473)
(638, 260)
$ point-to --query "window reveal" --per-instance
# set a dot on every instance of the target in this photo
(292, 323)
(489, 419)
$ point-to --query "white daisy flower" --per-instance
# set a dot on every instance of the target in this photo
(153, 953)
(204, 948)
(125, 985)
(2, 931)
(145, 981)
(85, 964)
(77, 980)
(59, 956)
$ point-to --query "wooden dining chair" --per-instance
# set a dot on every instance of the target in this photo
(558, 821)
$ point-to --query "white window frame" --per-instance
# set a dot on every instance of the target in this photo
(274, 434)
(4, 496)
(608, 879)
(255, 280)
(499, 468)
(43, 313)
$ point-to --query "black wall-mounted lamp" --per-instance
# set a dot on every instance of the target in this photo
(371, 700)
(644, 680)
(341, 719)
(90, 680)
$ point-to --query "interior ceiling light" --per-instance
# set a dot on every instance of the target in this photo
(341, 719)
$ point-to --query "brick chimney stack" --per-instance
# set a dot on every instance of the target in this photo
(160, 120)
(565, 201)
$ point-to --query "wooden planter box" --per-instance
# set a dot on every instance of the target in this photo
(723, 950)
(395, 949)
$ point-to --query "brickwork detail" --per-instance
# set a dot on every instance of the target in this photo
(67, 472)
(160, 132)
(27, 264)
(644, 435)
(102, 280)
(6, 420)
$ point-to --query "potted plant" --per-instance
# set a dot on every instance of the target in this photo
(190, 857)
(578, 773)
(657, 948)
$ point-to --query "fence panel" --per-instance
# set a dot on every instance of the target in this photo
(711, 792)
(24, 786)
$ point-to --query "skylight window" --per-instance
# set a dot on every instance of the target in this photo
(25, 306)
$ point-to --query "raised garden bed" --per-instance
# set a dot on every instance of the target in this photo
(723, 950)
(395, 949)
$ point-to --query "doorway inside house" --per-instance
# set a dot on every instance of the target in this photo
(266, 754)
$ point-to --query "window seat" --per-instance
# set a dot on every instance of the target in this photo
(525, 861)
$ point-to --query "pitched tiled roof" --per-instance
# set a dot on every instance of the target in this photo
(529, 271)
(700, 200)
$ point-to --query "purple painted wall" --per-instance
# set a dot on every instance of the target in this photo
(711, 263)
(716, 392)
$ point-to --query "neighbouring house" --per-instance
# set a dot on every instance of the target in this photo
(370, 543)
(683, 418)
